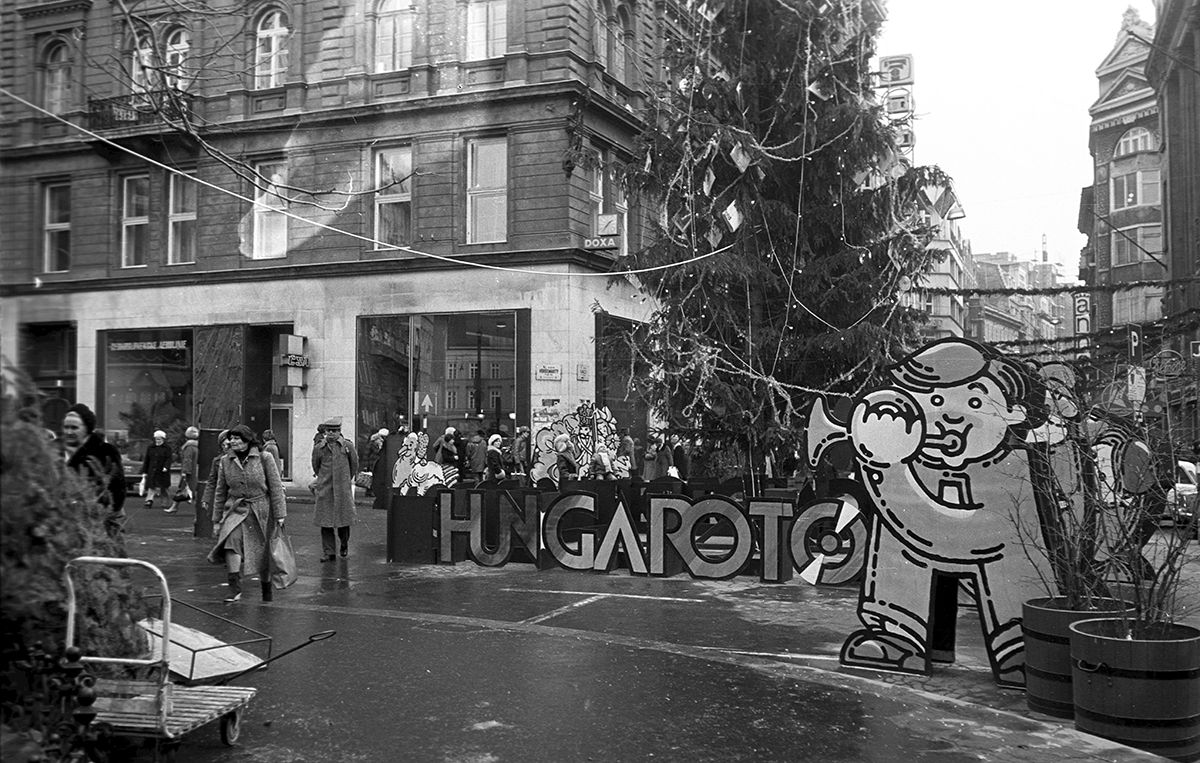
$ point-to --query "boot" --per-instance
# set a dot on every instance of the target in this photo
(235, 587)
(267, 592)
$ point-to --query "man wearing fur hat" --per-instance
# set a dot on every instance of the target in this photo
(334, 463)
(87, 453)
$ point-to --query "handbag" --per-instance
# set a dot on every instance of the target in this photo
(283, 559)
(363, 480)
(182, 493)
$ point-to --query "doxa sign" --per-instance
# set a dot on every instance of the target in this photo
(582, 530)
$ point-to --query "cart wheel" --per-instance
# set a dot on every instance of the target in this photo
(231, 727)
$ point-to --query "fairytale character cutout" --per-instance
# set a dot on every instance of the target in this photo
(413, 469)
(938, 452)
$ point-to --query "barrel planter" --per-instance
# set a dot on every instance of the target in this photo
(1046, 623)
(1143, 692)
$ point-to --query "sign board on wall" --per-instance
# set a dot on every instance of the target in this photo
(291, 364)
(548, 373)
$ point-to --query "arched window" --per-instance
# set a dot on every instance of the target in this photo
(600, 32)
(271, 50)
(394, 35)
(141, 65)
(1135, 140)
(622, 40)
(56, 64)
(179, 45)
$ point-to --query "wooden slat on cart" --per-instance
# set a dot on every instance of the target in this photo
(193, 706)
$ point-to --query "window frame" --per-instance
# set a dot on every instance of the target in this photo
(476, 192)
(403, 194)
(622, 28)
(401, 23)
(600, 44)
(1136, 256)
(134, 227)
(176, 218)
(1135, 140)
(56, 76)
(451, 399)
(1140, 184)
(141, 65)
(267, 207)
(494, 42)
(176, 55)
(270, 68)
(50, 230)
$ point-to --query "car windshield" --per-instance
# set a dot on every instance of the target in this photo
(1185, 473)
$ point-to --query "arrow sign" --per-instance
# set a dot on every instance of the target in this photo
(426, 404)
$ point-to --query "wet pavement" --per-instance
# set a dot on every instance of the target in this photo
(470, 664)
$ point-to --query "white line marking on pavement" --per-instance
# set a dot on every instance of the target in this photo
(561, 610)
(599, 594)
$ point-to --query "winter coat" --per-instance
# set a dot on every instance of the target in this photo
(663, 461)
(189, 463)
(682, 461)
(156, 466)
(520, 451)
(601, 467)
(334, 465)
(444, 451)
(100, 462)
(494, 465)
(249, 491)
(272, 447)
(478, 455)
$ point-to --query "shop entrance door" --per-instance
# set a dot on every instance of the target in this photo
(281, 425)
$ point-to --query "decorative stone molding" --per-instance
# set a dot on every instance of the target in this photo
(54, 7)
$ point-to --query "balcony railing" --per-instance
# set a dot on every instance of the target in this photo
(137, 109)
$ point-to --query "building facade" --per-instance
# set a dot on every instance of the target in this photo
(393, 212)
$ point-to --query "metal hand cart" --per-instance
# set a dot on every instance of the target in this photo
(155, 708)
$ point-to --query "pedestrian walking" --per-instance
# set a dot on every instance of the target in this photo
(209, 498)
(520, 449)
(86, 452)
(189, 468)
(664, 460)
(680, 457)
(156, 471)
(477, 452)
(381, 472)
(494, 460)
(249, 506)
(271, 445)
(334, 463)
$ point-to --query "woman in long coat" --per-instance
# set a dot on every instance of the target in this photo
(156, 468)
(248, 506)
(334, 463)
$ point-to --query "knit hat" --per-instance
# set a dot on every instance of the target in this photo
(158, 433)
(85, 415)
(192, 433)
(244, 432)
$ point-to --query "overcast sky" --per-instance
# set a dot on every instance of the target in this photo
(1001, 96)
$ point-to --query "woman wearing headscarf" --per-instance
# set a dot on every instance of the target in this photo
(271, 445)
(564, 456)
(156, 471)
(494, 460)
(249, 506)
(189, 467)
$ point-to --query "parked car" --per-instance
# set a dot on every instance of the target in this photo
(1181, 499)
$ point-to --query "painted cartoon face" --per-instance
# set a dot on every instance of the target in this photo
(965, 423)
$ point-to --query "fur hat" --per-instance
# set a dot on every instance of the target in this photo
(159, 434)
(494, 441)
(85, 415)
(244, 432)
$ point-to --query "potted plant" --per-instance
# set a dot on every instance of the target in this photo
(1136, 674)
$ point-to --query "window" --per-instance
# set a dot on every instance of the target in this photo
(600, 32)
(1129, 245)
(608, 198)
(393, 197)
(271, 50)
(179, 45)
(1135, 189)
(181, 245)
(141, 66)
(473, 371)
(451, 398)
(487, 29)
(56, 227)
(270, 222)
(471, 405)
(493, 399)
(451, 370)
(1135, 140)
(56, 78)
(135, 220)
(621, 34)
(1136, 305)
(487, 190)
(394, 35)
(495, 370)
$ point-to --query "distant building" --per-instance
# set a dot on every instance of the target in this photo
(1020, 318)
(952, 272)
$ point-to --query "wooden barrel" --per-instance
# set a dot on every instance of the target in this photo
(1046, 623)
(1141, 692)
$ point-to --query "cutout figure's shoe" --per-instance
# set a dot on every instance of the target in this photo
(877, 650)
(1006, 647)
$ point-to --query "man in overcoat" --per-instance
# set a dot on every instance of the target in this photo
(334, 463)
(87, 453)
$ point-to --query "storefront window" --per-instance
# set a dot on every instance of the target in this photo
(48, 357)
(424, 371)
(147, 386)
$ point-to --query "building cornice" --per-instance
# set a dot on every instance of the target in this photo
(1128, 116)
(53, 7)
(589, 260)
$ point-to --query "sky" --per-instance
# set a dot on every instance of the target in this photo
(1001, 95)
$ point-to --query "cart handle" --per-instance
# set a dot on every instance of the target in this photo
(109, 561)
(310, 640)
